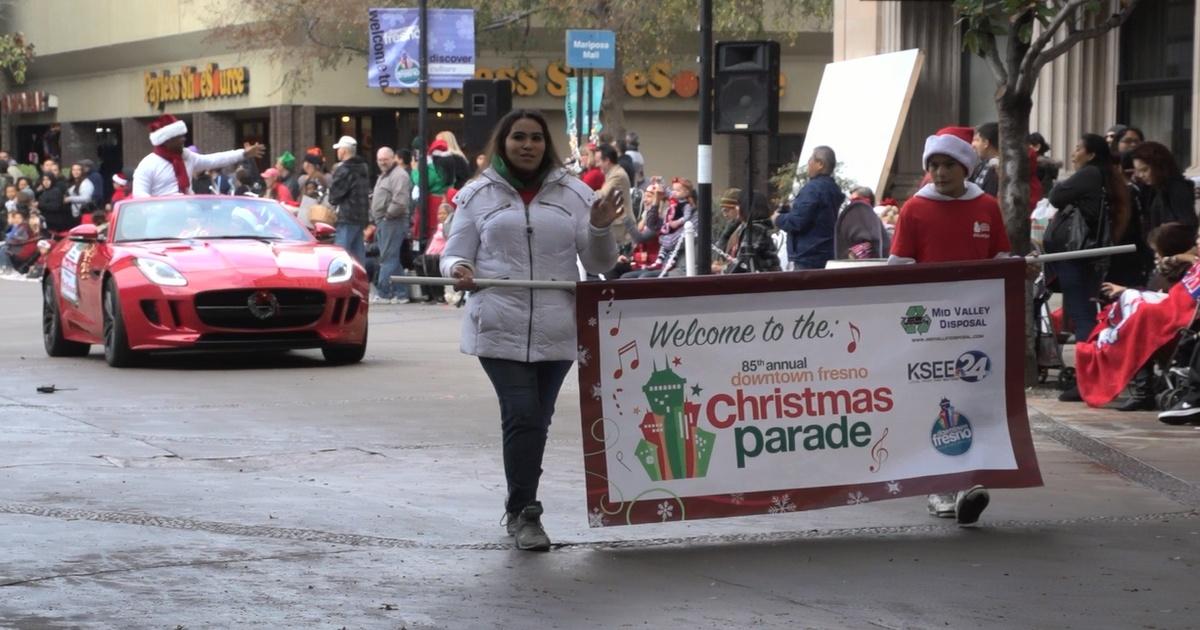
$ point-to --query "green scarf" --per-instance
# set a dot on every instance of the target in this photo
(502, 170)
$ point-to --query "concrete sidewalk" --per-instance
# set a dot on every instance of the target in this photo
(274, 491)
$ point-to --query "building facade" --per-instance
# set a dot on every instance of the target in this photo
(110, 67)
(1144, 75)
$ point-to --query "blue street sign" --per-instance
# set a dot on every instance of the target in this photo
(592, 49)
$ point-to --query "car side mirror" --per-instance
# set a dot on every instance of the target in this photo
(323, 232)
(86, 233)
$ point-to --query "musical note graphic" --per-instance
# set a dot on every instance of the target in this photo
(612, 294)
(879, 454)
(616, 330)
(618, 402)
(621, 352)
(855, 336)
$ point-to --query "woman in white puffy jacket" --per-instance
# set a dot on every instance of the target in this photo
(525, 218)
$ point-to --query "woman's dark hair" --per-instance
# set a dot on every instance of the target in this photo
(1040, 140)
(753, 206)
(1141, 136)
(76, 181)
(1114, 182)
(550, 158)
(1170, 239)
(1160, 160)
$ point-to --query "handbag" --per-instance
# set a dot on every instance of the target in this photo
(1068, 230)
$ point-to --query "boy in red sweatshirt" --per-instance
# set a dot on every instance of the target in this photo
(951, 219)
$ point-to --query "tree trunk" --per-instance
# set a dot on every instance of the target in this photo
(1014, 110)
(613, 107)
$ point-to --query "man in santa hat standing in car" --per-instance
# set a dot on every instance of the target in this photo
(168, 169)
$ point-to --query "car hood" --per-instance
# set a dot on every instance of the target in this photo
(241, 255)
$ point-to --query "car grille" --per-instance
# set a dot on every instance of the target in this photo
(260, 309)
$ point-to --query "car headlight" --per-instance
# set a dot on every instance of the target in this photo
(160, 272)
(341, 269)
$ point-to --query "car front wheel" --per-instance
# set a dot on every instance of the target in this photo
(52, 331)
(343, 355)
(116, 340)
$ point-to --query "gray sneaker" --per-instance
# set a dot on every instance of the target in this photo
(970, 505)
(529, 535)
(509, 521)
(942, 505)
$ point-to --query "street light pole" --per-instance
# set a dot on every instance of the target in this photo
(422, 122)
(704, 150)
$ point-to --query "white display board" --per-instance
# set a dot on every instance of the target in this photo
(860, 110)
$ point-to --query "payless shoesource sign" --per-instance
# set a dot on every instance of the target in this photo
(191, 84)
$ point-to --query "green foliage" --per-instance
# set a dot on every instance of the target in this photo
(786, 182)
(15, 55)
(30, 171)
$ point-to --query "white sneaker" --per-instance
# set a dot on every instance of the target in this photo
(969, 504)
(378, 299)
(942, 505)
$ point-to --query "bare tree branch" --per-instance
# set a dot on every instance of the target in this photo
(309, 25)
(512, 19)
(1065, 12)
(992, 55)
(1113, 21)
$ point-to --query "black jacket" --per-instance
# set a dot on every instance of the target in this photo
(350, 189)
(1174, 201)
(1084, 189)
(54, 209)
(756, 250)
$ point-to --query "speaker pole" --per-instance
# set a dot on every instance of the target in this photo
(587, 104)
(579, 112)
(704, 150)
(422, 121)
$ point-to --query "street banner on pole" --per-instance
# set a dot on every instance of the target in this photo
(768, 393)
(394, 41)
(591, 49)
(592, 126)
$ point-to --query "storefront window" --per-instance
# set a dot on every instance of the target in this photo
(1155, 90)
(255, 130)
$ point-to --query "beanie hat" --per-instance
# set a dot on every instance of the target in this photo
(271, 173)
(166, 127)
(287, 160)
(730, 198)
(954, 142)
(315, 160)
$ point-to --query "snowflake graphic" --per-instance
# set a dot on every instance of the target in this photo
(781, 504)
(856, 498)
(666, 510)
(737, 498)
(585, 356)
(597, 392)
(592, 322)
(449, 45)
(464, 24)
(596, 518)
(893, 487)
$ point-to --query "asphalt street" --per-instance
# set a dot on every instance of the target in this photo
(273, 491)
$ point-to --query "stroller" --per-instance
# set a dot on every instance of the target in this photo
(1176, 376)
(1049, 341)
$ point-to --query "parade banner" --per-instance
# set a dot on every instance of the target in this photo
(394, 48)
(768, 393)
(592, 125)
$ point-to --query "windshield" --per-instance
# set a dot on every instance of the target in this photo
(207, 218)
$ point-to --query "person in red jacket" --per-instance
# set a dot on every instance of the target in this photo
(591, 175)
(951, 219)
(121, 189)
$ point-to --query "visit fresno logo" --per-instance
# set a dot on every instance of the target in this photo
(951, 434)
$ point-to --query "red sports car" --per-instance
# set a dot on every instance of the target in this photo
(202, 273)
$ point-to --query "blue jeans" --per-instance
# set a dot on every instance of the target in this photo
(527, 393)
(391, 233)
(350, 238)
(1079, 283)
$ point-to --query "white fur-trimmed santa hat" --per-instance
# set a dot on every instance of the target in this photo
(166, 127)
(954, 142)
(119, 179)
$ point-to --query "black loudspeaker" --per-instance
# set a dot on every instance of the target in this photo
(485, 102)
(746, 88)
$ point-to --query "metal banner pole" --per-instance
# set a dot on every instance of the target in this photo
(704, 150)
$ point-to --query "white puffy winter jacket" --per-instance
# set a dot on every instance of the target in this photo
(498, 236)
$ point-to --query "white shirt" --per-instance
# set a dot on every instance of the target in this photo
(154, 176)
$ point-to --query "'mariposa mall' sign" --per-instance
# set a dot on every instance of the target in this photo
(191, 84)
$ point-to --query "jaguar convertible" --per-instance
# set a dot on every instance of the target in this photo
(201, 273)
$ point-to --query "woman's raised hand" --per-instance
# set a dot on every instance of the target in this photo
(607, 209)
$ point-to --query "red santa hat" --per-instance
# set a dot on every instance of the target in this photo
(954, 142)
(439, 147)
(451, 193)
(119, 180)
(166, 127)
